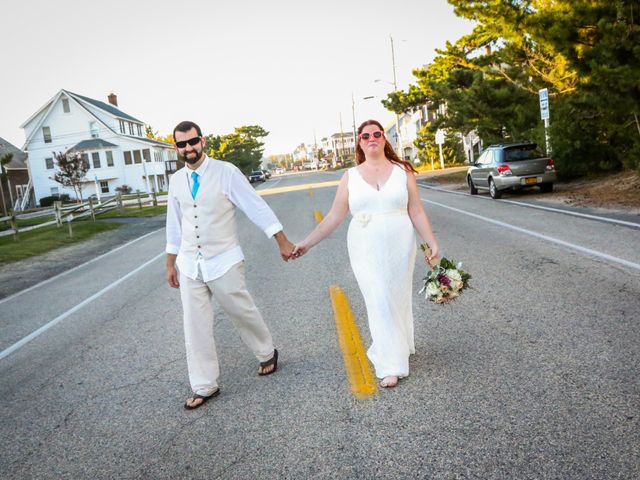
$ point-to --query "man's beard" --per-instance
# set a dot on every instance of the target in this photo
(193, 160)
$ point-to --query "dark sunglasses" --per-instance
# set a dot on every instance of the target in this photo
(367, 136)
(192, 141)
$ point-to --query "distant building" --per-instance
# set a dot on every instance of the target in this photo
(17, 181)
(112, 141)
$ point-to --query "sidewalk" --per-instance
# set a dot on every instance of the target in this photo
(17, 276)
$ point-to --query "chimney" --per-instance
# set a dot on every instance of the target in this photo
(113, 99)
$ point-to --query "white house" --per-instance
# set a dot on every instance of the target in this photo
(113, 142)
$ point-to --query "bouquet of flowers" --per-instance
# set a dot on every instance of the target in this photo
(444, 281)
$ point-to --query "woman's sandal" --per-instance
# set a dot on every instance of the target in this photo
(197, 396)
(272, 361)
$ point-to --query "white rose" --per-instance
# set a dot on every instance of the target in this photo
(432, 290)
(362, 218)
(454, 275)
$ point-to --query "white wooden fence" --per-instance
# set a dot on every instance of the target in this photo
(74, 212)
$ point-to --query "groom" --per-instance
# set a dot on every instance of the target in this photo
(202, 242)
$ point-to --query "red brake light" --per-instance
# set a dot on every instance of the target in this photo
(550, 162)
(503, 168)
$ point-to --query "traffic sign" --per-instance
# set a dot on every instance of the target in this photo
(543, 94)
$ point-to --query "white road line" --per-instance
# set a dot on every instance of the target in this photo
(263, 185)
(541, 207)
(59, 318)
(49, 280)
(588, 251)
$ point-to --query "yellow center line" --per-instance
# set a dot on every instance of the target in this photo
(362, 381)
(294, 188)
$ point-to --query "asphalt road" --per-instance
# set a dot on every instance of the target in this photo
(531, 374)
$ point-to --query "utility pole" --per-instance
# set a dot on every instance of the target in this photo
(353, 116)
(395, 89)
(315, 149)
(341, 140)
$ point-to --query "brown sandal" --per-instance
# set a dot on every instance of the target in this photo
(197, 396)
(272, 361)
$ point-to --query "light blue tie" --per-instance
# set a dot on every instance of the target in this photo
(196, 184)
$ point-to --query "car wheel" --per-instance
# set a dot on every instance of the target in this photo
(493, 190)
(472, 188)
(546, 187)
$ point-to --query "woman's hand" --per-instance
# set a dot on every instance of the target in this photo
(299, 250)
(432, 255)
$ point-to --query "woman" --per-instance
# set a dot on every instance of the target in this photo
(382, 195)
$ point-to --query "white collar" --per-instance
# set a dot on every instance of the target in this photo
(201, 169)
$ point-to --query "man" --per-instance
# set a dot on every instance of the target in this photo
(202, 243)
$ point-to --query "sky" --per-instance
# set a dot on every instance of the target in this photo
(291, 67)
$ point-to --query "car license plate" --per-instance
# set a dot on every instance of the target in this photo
(530, 180)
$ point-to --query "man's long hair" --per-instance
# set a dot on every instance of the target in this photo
(389, 152)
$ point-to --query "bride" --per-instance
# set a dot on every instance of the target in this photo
(382, 195)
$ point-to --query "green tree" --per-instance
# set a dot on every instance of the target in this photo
(243, 147)
(72, 171)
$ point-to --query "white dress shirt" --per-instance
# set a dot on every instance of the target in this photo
(236, 189)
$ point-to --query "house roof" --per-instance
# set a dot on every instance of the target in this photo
(92, 144)
(19, 157)
(107, 107)
(148, 140)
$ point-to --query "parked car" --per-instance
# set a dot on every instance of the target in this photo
(267, 173)
(257, 176)
(511, 166)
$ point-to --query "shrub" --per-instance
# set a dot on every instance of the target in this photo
(48, 201)
(124, 189)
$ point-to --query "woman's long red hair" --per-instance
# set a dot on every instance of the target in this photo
(388, 149)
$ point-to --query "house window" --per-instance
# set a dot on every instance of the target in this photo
(122, 130)
(109, 155)
(127, 158)
(49, 162)
(54, 191)
(130, 128)
(65, 105)
(93, 128)
(136, 156)
(104, 186)
(46, 133)
(146, 154)
(85, 157)
(139, 130)
(95, 156)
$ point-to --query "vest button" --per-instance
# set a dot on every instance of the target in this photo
(194, 205)
(198, 246)
(197, 236)
(196, 226)
(196, 216)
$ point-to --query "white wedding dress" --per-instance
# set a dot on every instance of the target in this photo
(382, 251)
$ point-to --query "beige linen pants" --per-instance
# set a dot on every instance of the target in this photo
(230, 292)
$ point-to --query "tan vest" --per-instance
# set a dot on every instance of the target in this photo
(208, 221)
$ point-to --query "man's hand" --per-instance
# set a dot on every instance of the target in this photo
(172, 273)
(285, 246)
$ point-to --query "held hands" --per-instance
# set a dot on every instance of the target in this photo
(285, 246)
(299, 250)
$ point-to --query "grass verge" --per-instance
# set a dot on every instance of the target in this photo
(37, 242)
(135, 211)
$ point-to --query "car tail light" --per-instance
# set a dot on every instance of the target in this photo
(550, 164)
(504, 170)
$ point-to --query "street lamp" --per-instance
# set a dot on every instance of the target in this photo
(398, 133)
